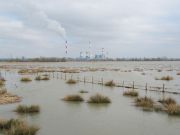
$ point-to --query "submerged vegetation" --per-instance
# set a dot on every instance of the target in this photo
(110, 83)
(131, 93)
(27, 109)
(26, 79)
(73, 98)
(173, 109)
(17, 127)
(97, 98)
(71, 81)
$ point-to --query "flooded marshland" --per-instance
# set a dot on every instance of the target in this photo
(79, 118)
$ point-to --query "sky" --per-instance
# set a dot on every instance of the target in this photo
(124, 28)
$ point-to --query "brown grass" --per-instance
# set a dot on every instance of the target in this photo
(167, 101)
(173, 109)
(26, 79)
(7, 98)
(97, 98)
(74, 98)
(71, 81)
(131, 93)
(17, 127)
(144, 102)
(83, 91)
(178, 73)
(39, 78)
(165, 78)
(27, 109)
(110, 83)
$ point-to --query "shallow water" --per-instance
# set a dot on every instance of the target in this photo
(120, 117)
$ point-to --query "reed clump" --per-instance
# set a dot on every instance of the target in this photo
(145, 102)
(98, 98)
(73, 98)
(71, 81)
(1, 83)
(173, 109)
(7, 98)
(17, 127)
(178, 73)
(26, 79)
(167, 101)
(39, 78)
(3, 91)
(165, 78)
(131, 93)
(83, 91)
(27, 109)
(110, 83)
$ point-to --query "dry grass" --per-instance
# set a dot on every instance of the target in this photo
(83, 91)
(26, 79)
(131, 93)
(110, 83)
(99, 99)
(1, 83)
(71, 81)
(27, 109)
(73, 98)
(165, 78)
(39, 78)
(167, 101)
(144, 102)
(173, 109)
(7, 98)
(17, 127)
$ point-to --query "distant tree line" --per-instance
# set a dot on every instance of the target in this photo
(54, 59)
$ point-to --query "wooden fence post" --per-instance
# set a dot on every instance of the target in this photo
(146, 87)
(163, 87)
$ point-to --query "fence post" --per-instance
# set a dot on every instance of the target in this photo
(123, 84)
(146, 87)
(163, 87)
(133, 84)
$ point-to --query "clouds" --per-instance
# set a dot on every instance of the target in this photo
(124, 28)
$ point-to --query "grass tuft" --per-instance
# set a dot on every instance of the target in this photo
(144, 102)
(38, 78)
(173, 109)
(110, 83)
(83, 91)
(17, 127)
(167, 101)
(165, 78)
(26, 79)
(99, 99)
(27, 109)
(73, 98)
(131, 93)
(71, 81)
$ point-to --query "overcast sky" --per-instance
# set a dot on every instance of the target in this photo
(124, 28)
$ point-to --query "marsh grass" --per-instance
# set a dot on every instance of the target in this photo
(98, 98)
(26, 79)
(131, 93)
(178, 73)
(39, 78)
(167, 101)
(83, 91)
(73, 98)
(173, 109)
(1, 83)
(165, 78)
(27, 109)
(110, 83)
(71, 81)
(144, 102)
(17, 127)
